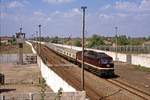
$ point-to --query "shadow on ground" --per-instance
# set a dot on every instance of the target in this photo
(6, 90)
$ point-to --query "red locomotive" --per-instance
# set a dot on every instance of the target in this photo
(97, 62)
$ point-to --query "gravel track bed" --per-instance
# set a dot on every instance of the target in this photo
(95, 87)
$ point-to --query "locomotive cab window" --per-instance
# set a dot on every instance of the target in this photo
(91, 54)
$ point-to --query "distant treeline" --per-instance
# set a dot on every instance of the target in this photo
(97, 40)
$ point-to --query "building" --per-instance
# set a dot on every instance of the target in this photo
(146, 43)
(6, 39)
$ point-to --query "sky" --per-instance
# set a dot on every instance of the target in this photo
(63, 18)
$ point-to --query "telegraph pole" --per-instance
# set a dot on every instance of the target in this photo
(116, 30)
(36, 41)
(21, 29)
(40, 38)
(83, 32)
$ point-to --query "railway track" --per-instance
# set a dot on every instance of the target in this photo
(131, 89)
(69, 77)
(74, 79)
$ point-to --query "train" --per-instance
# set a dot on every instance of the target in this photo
(98, 63)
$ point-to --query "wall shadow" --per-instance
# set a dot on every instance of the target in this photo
(6, 90)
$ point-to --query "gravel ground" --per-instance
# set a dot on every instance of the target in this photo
(21, 78)
(95, 87)
(133, 76)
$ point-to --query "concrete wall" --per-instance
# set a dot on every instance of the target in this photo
(79, 95)
(140, 60)
(8, 58)
(12, 58)
(52, 79)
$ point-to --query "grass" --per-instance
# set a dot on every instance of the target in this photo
(142, 68)
(13, 49)
(27, 49)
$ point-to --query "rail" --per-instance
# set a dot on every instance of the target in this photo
(129, 88)
(91, 90)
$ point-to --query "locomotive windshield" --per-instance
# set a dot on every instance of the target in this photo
(106, 61)
(102, 55)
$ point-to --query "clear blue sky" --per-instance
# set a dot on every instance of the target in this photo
(64, 17)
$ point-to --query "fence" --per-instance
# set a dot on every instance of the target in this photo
(13, 58)
(79, 95)
(125, 49)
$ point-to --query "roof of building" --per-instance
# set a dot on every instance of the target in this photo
(6, 37)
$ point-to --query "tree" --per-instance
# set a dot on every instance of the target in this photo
(13, 41)
(47, 39)
(77, 43)
(55, 40)
(95, 41)
(136, 42)
(122, 40)
(148, 38)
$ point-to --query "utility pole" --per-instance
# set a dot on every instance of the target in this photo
(40, 38)
(21, 29)
(32, 37)
(71, 40)
(116, 40)
(36, 41)
(83, 32)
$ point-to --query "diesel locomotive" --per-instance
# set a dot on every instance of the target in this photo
(97, 62)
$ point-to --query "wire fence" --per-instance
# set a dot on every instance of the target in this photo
(125, 49)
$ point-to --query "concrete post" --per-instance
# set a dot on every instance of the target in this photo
(30, 96)
(2, 97)
(129, 58)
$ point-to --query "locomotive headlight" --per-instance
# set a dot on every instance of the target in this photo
(108, 65)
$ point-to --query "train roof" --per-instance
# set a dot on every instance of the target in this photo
(94, 54)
